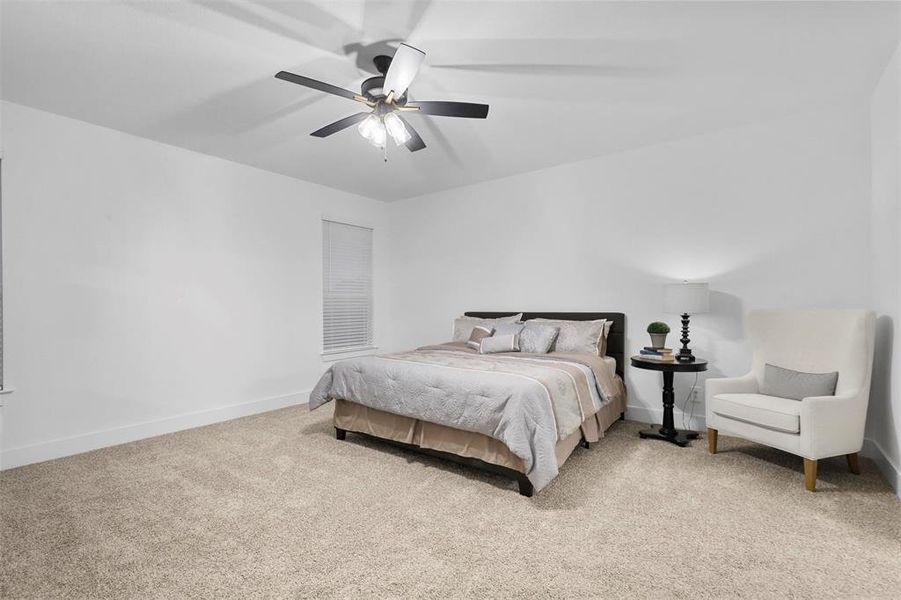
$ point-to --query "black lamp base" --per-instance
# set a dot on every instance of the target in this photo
(685, 354)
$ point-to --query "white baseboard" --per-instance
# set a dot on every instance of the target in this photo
(643, 414)
(26, 455)
(876, 453)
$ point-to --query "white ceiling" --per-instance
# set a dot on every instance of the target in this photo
(565, 80)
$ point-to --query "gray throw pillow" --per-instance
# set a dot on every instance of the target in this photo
(537, 339)
(476, 336)
(602, 343)
(499, 343)
(797, 385)
(510, 319)
(463, 325)
(577, 336)
(508, 328)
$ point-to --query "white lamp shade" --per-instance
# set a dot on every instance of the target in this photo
(691, 298)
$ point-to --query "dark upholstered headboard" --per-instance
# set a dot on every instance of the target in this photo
(616, 341)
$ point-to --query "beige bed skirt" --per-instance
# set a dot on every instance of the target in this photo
(362, 419)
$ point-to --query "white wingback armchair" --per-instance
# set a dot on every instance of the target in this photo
(813, 341)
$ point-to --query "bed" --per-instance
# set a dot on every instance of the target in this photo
(519, 415)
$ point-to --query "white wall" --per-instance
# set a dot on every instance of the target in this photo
(772, 215)
(884, 417)
(150, 288)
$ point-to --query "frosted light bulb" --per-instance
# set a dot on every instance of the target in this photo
(367, 126)
(396, 128)
(377, 137)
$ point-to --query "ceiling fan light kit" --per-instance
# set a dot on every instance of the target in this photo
(373, 130)
(396, 128)
(386, 97)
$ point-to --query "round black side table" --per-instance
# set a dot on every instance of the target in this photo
(668, 431)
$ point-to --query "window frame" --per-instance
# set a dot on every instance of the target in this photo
(335, 354)
(3, 388)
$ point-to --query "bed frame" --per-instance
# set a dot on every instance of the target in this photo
(616, 349)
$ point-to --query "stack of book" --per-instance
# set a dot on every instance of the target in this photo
(660, 354)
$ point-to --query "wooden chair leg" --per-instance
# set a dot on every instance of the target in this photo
(810, 474)
(711, 440)
(853, 463)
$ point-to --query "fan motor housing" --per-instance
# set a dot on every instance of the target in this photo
(372, 88)
(382, 63)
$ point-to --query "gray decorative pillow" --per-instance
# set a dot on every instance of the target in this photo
(510, 319)
(477, 334)
(463, 325)
(537, 339)
(508, 328)
(577, 336)
(797, 385)
(602, 343)
(499, 343)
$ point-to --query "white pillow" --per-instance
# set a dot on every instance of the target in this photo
(578, 336)
(463, 325)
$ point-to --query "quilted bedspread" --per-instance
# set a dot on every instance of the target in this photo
(527, 401)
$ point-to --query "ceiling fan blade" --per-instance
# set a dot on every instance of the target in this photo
(318, 85)
(415, 142)
(339, 125)
(468, 110)
(403, 69)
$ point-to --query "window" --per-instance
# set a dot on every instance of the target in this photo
(346, 287)
(1, 277)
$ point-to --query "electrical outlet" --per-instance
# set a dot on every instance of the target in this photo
(696, 395)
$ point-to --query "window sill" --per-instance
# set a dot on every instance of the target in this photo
(336, 355)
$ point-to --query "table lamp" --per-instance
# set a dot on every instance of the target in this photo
(686, 299)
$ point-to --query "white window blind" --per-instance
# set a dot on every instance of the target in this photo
(1, 278)
(346, 287)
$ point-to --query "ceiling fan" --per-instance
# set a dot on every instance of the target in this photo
(386, 97)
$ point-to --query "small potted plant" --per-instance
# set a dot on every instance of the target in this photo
(658, 331)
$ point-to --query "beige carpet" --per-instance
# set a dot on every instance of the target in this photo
(273, 505)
